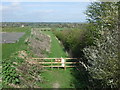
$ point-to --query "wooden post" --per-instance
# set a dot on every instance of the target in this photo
(51, 64)
(58, 65)
(65, 65)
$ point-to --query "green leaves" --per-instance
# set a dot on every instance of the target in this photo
(9, 73)
(74, 40)
(103, 56)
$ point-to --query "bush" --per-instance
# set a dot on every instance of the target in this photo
(9, 73)
(103, 56)
(74, 41)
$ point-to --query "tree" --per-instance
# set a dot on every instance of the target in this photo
(103, 55)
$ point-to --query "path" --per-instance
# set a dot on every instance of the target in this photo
(57, 51)
(56, 78)
(56, 85)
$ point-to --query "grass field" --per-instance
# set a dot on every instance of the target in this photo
(15, 29)
(8, 49)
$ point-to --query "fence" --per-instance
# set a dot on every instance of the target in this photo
(57, 62)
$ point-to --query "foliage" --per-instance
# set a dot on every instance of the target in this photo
(74, 40)
(16, 71)
(9, 73)
(103, 56)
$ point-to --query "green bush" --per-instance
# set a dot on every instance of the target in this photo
(103, 56)
(74, 40)
(9, 73)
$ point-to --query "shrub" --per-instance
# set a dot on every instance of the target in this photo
(103, 56)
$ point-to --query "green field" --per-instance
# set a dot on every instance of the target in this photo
(8, 49)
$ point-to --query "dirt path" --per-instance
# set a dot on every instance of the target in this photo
(56, 85)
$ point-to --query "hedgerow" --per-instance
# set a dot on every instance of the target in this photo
(74, 41)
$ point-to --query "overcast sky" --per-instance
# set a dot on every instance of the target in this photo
(44, 11)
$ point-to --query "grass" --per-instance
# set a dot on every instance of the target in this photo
(8, 49)
(60, 29)
(15, 29)
(63, 77)
(57, 51)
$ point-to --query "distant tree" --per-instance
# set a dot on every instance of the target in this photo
(103, 55)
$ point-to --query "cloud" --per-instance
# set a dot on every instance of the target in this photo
(44, 11)
(11, 6)
(38, 12)
(0, 7)
(15, 4)
(10, 10)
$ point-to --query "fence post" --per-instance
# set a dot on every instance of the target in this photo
(58, 65)
(65, 65)
(51, 64)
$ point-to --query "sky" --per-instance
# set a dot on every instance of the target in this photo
(44, 11)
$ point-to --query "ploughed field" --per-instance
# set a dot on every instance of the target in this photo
(10, 37)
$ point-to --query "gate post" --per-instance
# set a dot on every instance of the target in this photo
(51, 64)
